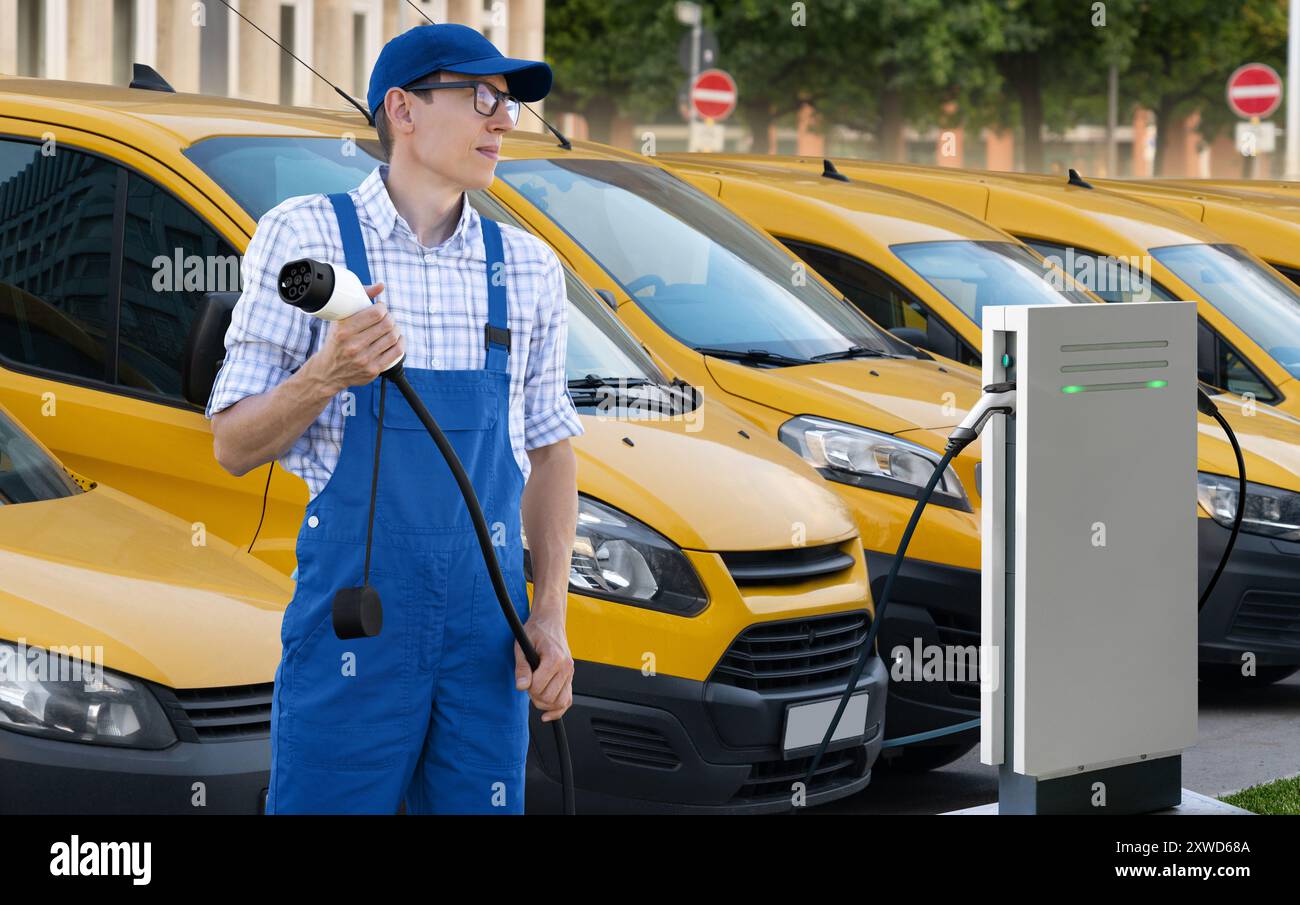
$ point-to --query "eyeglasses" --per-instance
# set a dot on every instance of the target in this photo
(487, 97)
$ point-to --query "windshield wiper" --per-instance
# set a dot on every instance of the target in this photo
(752, 356)
(595, 381)
(854, 352)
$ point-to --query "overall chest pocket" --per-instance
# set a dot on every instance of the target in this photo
(418, 493)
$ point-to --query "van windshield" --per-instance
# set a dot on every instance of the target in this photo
(1245, 290)
(27, 473)
(703, 274)
(975, 275)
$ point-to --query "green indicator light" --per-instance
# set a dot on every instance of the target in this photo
(1072, 389)
(1006, 360)
(1157, 384)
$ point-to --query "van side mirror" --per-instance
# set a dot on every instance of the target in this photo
(205, 347)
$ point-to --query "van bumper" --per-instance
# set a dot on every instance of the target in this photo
(663, 744)
(930, 604)
(46, 776)
(1255, 607)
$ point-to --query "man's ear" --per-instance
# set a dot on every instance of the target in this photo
(398, 111)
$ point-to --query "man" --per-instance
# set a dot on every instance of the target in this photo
(433, 711)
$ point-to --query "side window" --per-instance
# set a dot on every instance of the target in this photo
(878, 299)
(1110, 279)
(882, 300)
(1290, 273)
(1220, 365)
(170, 259)
(56, 250)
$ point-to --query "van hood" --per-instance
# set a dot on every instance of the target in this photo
(883, 394)
(102, 568)
(704, 486)
(1270, 444)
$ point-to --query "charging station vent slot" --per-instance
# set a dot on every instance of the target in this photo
(795, 653)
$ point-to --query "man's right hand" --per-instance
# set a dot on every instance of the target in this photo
(359, 347)
(263, 427)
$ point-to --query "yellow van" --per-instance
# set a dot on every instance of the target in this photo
(136, 651)
(730, 310)
(1249, 336)
(1267, 225)
(925, 271)
(125, 212)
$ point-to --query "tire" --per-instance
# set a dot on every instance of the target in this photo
(1228, 675)
(923, 758)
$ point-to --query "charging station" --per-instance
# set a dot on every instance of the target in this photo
(1089, 594)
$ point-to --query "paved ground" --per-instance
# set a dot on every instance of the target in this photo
(1244, 738)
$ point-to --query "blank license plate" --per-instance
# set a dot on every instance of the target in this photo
(805, 724)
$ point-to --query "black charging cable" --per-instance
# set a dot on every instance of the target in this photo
(868, 644)
(1205, 405)
(396, 375)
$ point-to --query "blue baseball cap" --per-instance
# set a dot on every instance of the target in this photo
(425, 49)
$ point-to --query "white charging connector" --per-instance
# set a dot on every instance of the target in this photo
(324, 290)
(998, 397)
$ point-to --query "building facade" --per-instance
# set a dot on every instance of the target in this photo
(200, 46)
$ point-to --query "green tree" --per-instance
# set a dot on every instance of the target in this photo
(1175, 77)
(612, 57)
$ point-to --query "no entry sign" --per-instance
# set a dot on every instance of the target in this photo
(714, 94)
(1254, 90)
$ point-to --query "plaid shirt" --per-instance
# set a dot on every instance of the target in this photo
(438, 297)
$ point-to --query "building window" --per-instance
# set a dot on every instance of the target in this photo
(214, 50)
(409, 18)
(31, 37)
(359, 61)
(124, 50)
(495, 23)
(288, 15)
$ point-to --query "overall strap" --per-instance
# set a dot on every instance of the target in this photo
(354, 253)
(497, 330)
(354, 247)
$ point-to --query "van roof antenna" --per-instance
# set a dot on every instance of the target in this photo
(830, 172)
(564, 142)
(343, 94)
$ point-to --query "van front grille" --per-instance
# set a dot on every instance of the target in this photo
(223, 714)
(772, 780)
(794, 653)
(758, 567)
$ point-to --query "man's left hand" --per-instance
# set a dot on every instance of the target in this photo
(551, 687)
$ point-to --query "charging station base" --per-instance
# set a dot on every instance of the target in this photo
(1137, 788)
(1193, 804)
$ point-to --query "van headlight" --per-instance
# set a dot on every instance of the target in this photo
(616, 557)
(866, 458)
(52, 695)
(1270, 511)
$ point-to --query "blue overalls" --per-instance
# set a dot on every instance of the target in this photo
(427, 711)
